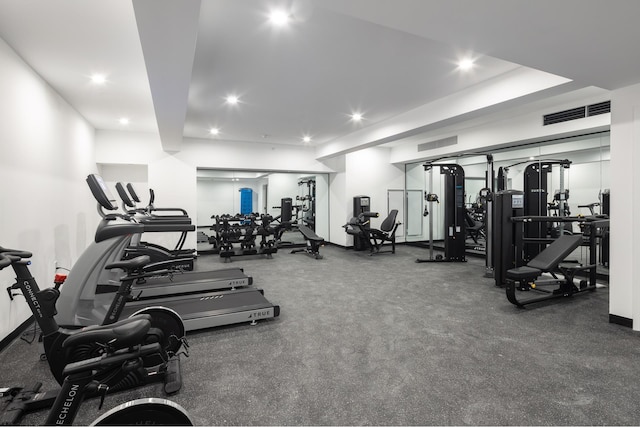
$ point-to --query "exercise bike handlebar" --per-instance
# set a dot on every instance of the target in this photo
(16, 252)
(5, 262)
(9, 256)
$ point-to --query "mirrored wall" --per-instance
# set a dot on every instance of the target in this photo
(575, 186)
(227, 192)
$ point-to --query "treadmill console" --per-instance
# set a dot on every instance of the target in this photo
(101, 192)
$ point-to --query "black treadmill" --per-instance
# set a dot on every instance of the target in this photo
(81, 304)
(163, 282)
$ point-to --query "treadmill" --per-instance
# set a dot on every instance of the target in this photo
(167, 281)
(182, 258)
(82, 304)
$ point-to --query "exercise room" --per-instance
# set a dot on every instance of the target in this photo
(319, 212)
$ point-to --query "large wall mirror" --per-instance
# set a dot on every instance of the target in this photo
(584, 183)
(231, 192)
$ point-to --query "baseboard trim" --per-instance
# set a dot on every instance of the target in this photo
(619, 320)
(16, 333)
(336, 245)
(350, 247)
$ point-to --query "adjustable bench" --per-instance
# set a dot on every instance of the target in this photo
(313, 242)
(528, 278)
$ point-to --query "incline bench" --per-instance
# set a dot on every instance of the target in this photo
(528, 278)
(313, 242)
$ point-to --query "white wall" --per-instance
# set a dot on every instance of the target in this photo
(175, 185)
(47, 150)
(218, 197)
(173, 175)
(338, 203)
(136, 175)
(369, 173)
(506, 129)
(624, 293)
(322, 206)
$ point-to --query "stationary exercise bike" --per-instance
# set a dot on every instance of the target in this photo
(123, 349)
(166, 329)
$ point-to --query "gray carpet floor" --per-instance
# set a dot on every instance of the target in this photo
(384, 341)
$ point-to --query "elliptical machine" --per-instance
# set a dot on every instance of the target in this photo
(123, 347)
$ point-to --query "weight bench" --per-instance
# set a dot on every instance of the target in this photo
(528, 278)
(313, 242)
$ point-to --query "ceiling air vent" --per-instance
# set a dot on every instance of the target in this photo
(599, 108)
(445, 142)
(564, 116)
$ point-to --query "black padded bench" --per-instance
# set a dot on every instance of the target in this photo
(528, 278)
(313, 242)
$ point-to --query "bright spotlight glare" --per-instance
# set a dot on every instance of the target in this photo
(279, 18)
(465, 64)
(98, 79)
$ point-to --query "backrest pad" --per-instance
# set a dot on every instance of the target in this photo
(389, 221)
(556, 252)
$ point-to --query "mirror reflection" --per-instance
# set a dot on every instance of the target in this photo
(239, 193)
(575, 171)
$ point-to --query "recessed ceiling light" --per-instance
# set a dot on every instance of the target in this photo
(465, 64)
(306, 138)
(232, 99)
(356, 117)
(98, 79)
(279, 18)
(214, 131)
(123, 121)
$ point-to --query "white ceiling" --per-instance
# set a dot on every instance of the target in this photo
(170, 64)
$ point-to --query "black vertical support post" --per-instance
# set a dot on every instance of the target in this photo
(488, 217)
(67, 404)
(604, 243)
(593, 249)
(454, 212)
(535, 204)
(361, 204)
(42, 307)
(502, 179)
(507, 236)
(286, 209)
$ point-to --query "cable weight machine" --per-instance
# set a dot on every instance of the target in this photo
(454, 213)
(536, 183)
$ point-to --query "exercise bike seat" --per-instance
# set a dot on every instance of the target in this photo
(122, 334)
(130, 264)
